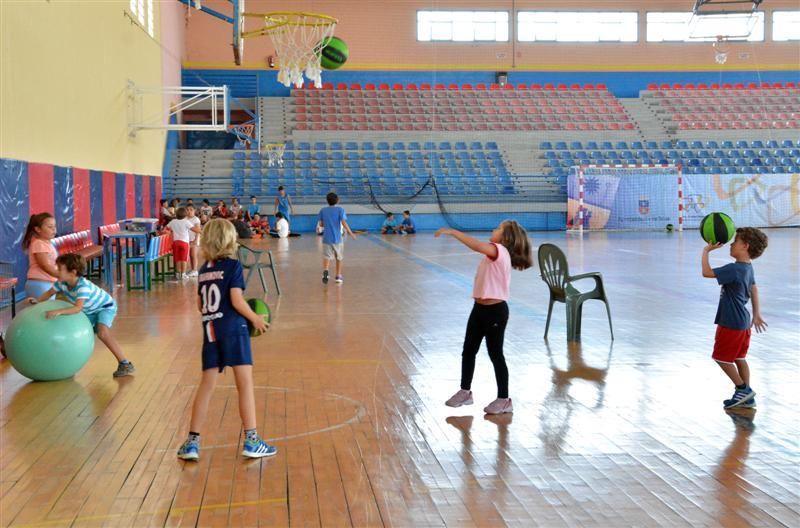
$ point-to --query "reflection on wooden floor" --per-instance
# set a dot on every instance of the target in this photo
(350, 385)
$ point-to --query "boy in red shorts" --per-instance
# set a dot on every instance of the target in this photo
(181, 229)
(733, 320)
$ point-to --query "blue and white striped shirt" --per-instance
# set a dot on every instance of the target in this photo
(95, 299)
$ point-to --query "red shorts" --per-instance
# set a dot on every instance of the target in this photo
(180, 251)
(730, 344)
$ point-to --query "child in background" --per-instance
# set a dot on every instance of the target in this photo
(389, 225)
(194, 240)
(235, 208)
(407, 226)
(333, 219)
(164, 215)
(221, 211)
(242, 229)
(283, 204)
(181, 227)
(206, 209)
(252, 208)
(259, 226)
(42, 254)
(86, 297)
(281, 227)
(226, 338)
(733, 322)
(507, 248)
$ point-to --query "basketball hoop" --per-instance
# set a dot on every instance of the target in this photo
(274, 153)
(245, 133)
(721, 50)
(297, 38)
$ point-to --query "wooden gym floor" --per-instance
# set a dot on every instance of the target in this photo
(350, 385)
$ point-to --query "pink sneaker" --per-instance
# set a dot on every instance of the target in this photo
(499, 406)
(462, 397)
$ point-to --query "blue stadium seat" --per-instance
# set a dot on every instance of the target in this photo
(724, 162)
(320, 146)
(711, 145)
(709, 162)
(650, 145)
(681, 145)
(239, 155)
(772, 144)
(336, 146)
(397, 145)
(413, 145)
(429, 145)
(238, 164)
(757, 144)
(696, 145)
(351, 145)
(545, 145)
(303, 145)
(621, 145)
(475, 145)
(703, 154)
(787, 143)
(606, 145)
(666, 144)
(445, 145)
(656, 154)
(460, 146)
(576, 145)
(726, 144)
(561, 145)
(491, 145)
(748, 153)
(352, 156)
(643, 155)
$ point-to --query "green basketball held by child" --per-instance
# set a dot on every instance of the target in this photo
(333, 53)
(260, 308)
(717, 228)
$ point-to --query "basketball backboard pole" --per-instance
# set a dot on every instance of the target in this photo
(236, 20)
(724, 7)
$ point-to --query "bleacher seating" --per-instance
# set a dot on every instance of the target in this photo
(353, 169)
(697, 157)
(458, 108)
(726, 106)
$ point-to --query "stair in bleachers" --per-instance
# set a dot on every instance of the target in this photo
(649, 125)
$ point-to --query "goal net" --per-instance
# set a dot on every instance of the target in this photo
(631, 197)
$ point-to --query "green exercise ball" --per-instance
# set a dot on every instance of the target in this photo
(49, 349)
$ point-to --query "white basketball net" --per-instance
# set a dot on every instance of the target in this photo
(274, 153)
(297, 38)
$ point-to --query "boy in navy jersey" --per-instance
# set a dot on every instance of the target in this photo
(226, 338)
(733, 320)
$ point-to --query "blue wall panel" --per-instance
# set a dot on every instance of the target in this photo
(121, 181)
(96, 199)
(63, 193)
(137, 184)
(14, 219)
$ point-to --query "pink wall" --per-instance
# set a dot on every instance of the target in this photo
(381, 35)
(173, 44)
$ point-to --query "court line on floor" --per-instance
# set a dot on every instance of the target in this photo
(361, 412)
(460, 280)
(170, 512)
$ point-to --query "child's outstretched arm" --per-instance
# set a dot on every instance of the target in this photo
(707, 271)
(488, 249)
(241, 306)
(43, 297)
(758, 322)
(75, 308)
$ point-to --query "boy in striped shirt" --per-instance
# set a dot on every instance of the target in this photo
(88, 298)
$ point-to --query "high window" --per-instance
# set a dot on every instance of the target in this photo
(786, 25)
(686, 27)
(580, 26)
(462, 26)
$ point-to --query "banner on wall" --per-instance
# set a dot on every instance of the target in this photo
(642, 201)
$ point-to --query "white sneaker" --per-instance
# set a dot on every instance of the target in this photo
(185, 276)
(499, 406)
(192, 273)
(462, 397)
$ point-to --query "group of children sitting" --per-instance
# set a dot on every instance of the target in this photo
(406, 227)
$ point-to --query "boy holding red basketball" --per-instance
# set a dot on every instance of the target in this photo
(733, 320)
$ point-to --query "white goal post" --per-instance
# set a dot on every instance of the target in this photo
(627, 196)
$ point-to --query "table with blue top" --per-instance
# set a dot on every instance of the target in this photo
(129, 243)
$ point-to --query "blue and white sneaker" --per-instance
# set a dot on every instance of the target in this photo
(746, 405)
(258, 449)
(190, 450)
(740, 397)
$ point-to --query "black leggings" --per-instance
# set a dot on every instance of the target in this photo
(489, 321)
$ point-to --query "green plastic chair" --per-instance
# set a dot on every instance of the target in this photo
(251, 261)
(555, 273)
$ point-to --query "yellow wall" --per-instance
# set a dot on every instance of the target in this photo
(65, 65)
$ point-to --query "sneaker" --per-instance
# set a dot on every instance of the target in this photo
(746, 405)
(192, 273)
(339, 279)
(258, 449)
(324, 276)
(124, 369)
(190, 450)
(499, 406)
(462, 397)
(740, 397)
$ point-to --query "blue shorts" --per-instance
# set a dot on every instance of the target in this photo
(104, 317)
(229, 351)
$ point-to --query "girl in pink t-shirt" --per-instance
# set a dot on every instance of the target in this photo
(38, 244)
(508, 247)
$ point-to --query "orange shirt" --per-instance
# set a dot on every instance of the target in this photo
(35, 272)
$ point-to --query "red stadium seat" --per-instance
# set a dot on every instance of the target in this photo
(438, 86)
(480, 86)
(588, 86)
(369, 86)
(398, 87)
(424, 86)
(536, 86)
(383, 86)
(355, 86)
(411, 86)
(327, 86)
(549, 87)
(452, 87)
(522, 86)
(341, 86)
